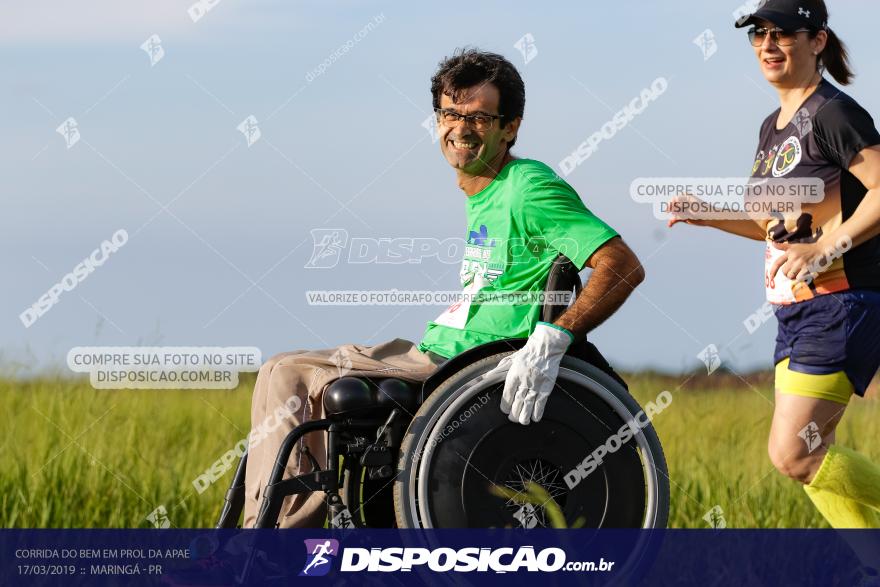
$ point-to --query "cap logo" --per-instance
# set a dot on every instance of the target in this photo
(804, 13)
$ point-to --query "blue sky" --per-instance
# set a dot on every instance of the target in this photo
(220, 232)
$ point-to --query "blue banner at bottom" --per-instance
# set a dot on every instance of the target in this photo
(462, 557)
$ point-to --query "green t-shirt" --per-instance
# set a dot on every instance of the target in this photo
(517, 226)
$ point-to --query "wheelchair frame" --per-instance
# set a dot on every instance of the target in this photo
(373, 439)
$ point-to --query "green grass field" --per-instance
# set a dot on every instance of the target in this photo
(71, 456)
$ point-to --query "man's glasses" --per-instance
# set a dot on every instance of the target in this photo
(478, 121)
(779, 36)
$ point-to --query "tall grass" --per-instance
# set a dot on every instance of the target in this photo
(71, 456)
(715, 441)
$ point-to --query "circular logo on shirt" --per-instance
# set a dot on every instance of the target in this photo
(788, 156)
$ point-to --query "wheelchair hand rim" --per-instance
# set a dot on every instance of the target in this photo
(444, 412)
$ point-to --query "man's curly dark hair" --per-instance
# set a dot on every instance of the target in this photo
(470, 67)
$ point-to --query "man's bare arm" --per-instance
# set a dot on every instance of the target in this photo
(616, 273)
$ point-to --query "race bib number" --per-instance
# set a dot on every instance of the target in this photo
(777, 287)
(456, 315)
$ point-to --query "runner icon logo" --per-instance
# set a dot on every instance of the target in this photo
(526, 46)
(710, 358)
(810, 435)
(803, 122)
(327, 247)
(707, 43)
(319, 554)
(715, 518)
(526, 516)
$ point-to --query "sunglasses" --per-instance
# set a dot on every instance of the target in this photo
(780, 37)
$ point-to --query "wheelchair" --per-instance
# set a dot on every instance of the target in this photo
(441, 454)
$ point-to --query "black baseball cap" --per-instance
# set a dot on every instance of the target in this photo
(788, 14)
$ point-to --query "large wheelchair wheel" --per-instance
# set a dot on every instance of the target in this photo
(464, 464)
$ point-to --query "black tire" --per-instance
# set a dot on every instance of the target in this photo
(598, 394)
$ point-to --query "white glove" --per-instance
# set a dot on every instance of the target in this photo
(533, 371)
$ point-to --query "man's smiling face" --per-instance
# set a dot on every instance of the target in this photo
(469, 150)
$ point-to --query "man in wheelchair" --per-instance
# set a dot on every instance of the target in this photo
(403, 405)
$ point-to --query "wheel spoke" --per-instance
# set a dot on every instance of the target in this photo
(542, 473)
